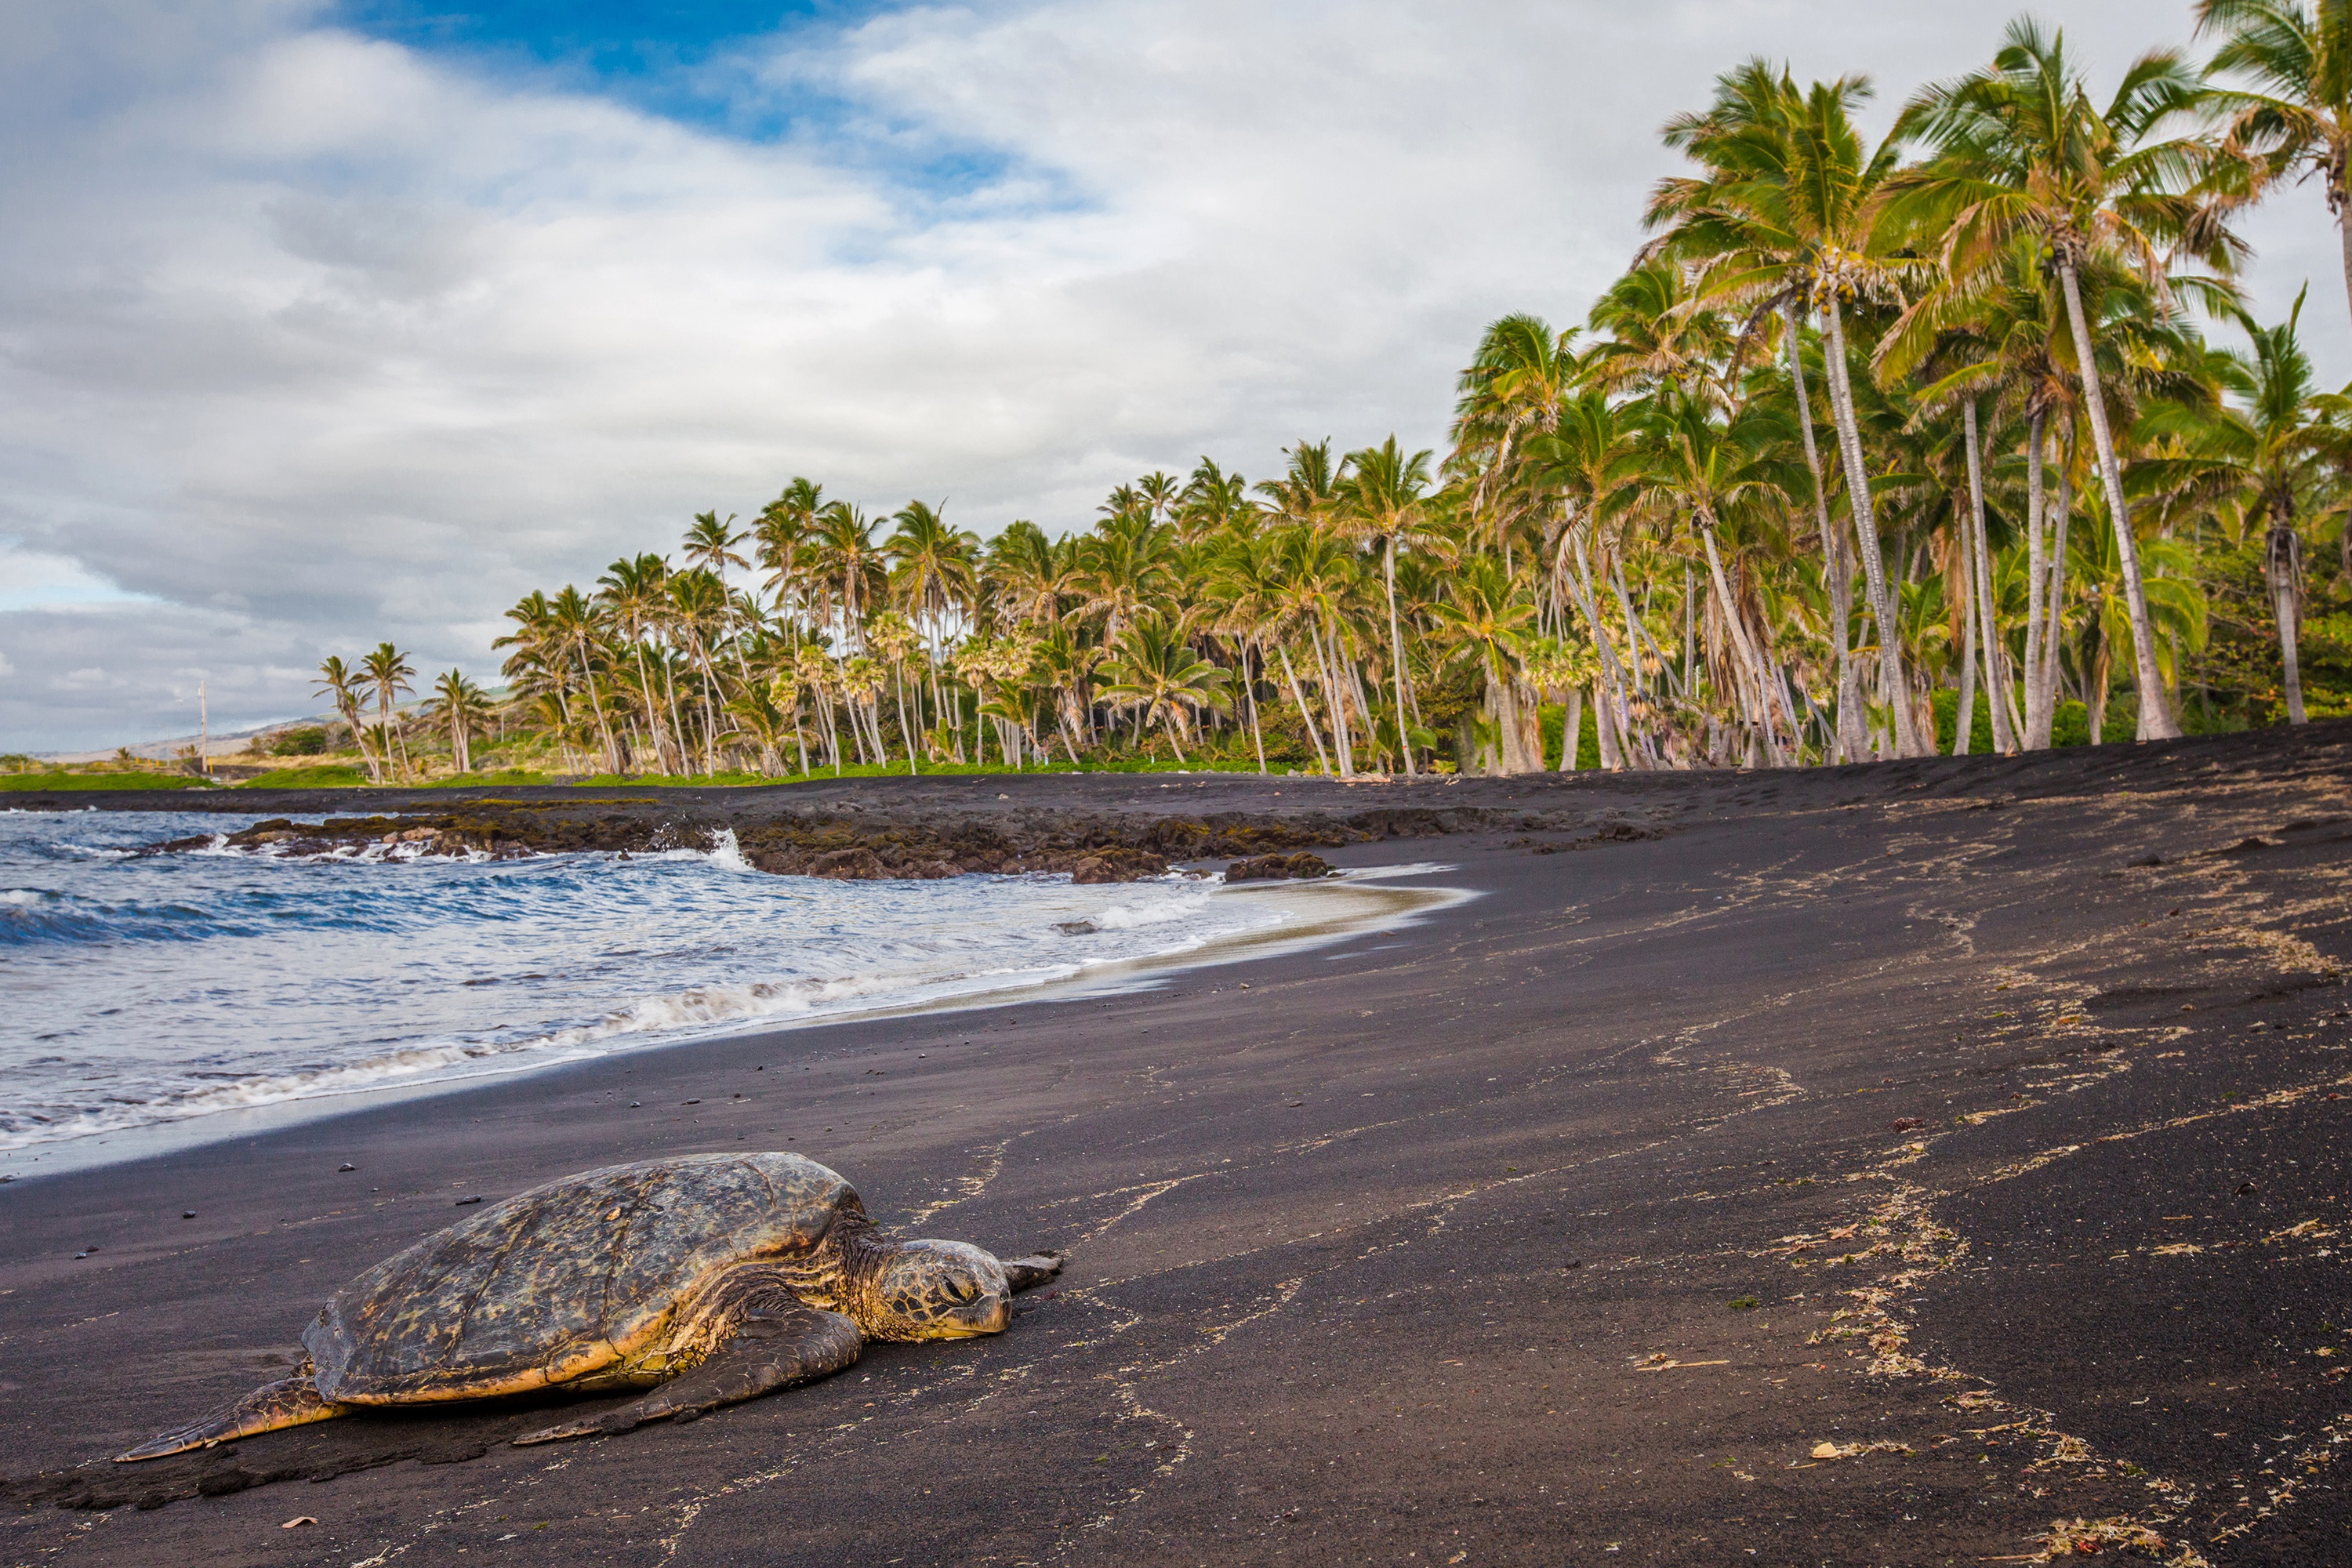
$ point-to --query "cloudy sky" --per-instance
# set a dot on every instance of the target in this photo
(322, 323)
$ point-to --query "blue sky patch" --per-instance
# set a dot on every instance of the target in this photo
(687, 62)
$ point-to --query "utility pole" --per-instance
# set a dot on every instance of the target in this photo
(204, 731)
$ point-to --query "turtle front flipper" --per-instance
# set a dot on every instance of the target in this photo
(771, 1347)
(1028, 1273)
(290, 1401)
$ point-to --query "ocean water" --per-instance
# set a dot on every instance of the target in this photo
(139, 991)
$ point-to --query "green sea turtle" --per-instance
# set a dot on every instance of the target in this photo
(707, 1279)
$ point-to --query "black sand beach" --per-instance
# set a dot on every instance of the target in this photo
(1872, 1165)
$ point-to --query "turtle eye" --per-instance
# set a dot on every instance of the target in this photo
(956, 1294)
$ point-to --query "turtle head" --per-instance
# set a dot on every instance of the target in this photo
(936, 1290)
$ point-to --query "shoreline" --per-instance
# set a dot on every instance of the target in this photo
(1875, 1167)
(1385, 909)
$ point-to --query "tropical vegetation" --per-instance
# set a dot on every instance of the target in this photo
(1961, 438)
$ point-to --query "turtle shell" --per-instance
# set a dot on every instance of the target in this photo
(565, 1280)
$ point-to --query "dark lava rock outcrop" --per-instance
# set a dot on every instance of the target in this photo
(1279, 867)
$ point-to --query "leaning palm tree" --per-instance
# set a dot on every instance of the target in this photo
(2019, 148)
(2294, 116)
(349, 687)
(1154, 671)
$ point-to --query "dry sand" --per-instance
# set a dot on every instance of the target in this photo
(2005, 1089)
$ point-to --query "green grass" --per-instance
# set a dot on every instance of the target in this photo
(929, 770)
(70, 781)
(330, 776)
(334, 776)
(490, 776)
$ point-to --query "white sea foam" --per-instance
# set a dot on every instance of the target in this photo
(155, 989)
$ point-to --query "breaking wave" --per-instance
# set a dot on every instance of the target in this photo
(153, 989)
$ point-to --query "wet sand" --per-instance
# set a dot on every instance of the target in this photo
(2001, 1089)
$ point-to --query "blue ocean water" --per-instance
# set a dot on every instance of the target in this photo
(139, 990)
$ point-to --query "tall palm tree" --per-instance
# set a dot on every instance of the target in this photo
(2275, 453)
(1384, 490)
(349, 687)
(2019, 148)
(635, 593)
(578, 627)
(388, 670)
(934, 572)
(781, 535)
(460, 704)
(2293, 117)
(1715, 468)
(1783, 221)
(1590, 466)
(851, 569)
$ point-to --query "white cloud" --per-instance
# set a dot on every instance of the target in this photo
(315, 341)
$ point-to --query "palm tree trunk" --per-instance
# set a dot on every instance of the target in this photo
(612, 752)
(2036, 570)
(2156, 720)
(1608, 706)
(1751, 668)
(1396, 651)
(1249, 695)
(1895, 689)
(1996, 652)
(2053, 632)
(1571, 728)
(1964, 712)
(2279, 560)
(2338, 203)
(1299, 697)
(1836, 576)
(1338, 712)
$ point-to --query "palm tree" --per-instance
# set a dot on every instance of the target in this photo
(1715, 468)
(893, 638)
(578, 629)
(1126, 570)
(1485, 618)
(635, 591)
(2019, 148)
(700, 605)
(2294, 116)
(388, 670)
(460, 704)
(1153, 671)
(349, 688)
(2275, 456)
(1590, 465)
(850, 569)
(782, 534)
(1783, 220)
(1383, 492)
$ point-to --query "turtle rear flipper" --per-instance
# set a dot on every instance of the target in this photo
(771, 1347)
(290, 1401)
